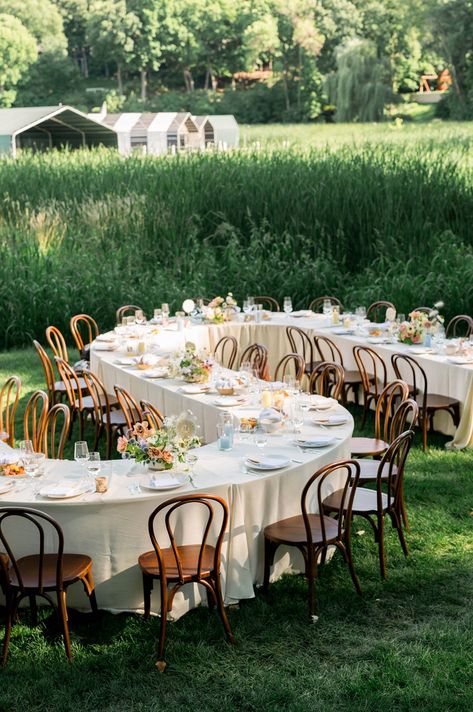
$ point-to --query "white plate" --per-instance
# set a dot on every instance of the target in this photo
(322, 441)
(419, 350)
(459, 361)
(330, 420)
(340, 330)
(64, 490)
(302, 313)
(6, 486)
(164, 481)
(267, 462)
(105, 346)
(109, 338)
(125, 361)
(377, 340)
(156, 373)
(229, 401)
(322, 403)
(194, 389)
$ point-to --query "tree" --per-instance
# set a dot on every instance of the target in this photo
(147, 49)
(42, 19)
(110, 30)
(17, 53)
(74, 15)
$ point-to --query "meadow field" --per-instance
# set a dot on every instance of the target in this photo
(362, 212)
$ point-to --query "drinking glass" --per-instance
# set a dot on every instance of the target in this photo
(401, 318)
(26, 450)
(304, 402)
(93, 464)
(287, 305)
(165, 310)
(297, 417)
(260, 439)
(290, 383)
(158, 313)
(191, 461)
(139, 317)
(327, 307)
(81, 452)
(224, 437)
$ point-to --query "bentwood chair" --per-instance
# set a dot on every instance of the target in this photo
(390, 397)
(327, 380)
(84, 330)
(317, 303)
(226, 351)
(54, 440)
(122, 311)
(312, 533)
(376, 312)
(290, 363)
(257, 356)
(302, 344)
(82, 406)
(56, 389)
(129, 406)
(178, 565)
(9, 397)
(461, 325)
(411, 371)
(57, 343)
(34, 418)
(329, 351)
(39, 574)
(107, 417)
(424, 310)
(150, 413)
(373, 505)
(374, 376)
(268, 303)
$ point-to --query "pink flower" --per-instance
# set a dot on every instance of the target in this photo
(122, 443)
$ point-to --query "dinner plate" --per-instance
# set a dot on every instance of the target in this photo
(322, 403)
(6, 486)
(330, 420)
(321, 441)
(377, 340)
(156, 373)
(341, 330)
(302, 313)
(229, 401)
(458, 360)
(194, 389)
(105, 346)
(125, 361)
(419, 350)
(267, 462)
(64, 490)
(109, 338)
(164, 481)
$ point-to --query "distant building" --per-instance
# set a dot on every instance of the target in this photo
(41, 128)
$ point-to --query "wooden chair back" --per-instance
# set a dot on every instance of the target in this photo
(70, 378)
(49, 446)
(47, 530)
(347, 471)
(84, 330)
(130, 407)
(405, 417)
(373, 372)
(98, 393)
(462, 323)
(394, 393)
(207, 501)
(424, 310)
(257, 356)
(390, 475)
(57, 342)
(318, 302)
(150, 413)
(328, 350)
(301, 344)
(290, 363)
(48, 371)
(409, 370)
(268, 303)
(34, 418)
(226, 351)
(9, 397)
(376, 312)
(122, 311)
(327, 379)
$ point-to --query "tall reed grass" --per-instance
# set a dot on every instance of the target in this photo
(88, 231)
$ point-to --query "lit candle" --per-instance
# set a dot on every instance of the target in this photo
(266, 399)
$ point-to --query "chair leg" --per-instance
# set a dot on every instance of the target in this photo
(210, 598)
(81, 425)
(351, 566)
(8, 626)
(108, 430)
(269, 551)
(311, 573)
(34, 609)
(147, 588)
(62, 610)
(397, 525)
(404, 516)
(161, 663)
(425, 424)
(221, 608)
(381, 551)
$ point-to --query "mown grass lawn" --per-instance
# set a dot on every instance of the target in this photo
(405, 645)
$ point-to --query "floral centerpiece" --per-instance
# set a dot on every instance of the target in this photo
(160, 449)
(420, 325)
(220, 310)
(192, 366)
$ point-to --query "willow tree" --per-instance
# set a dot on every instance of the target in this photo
(360, 86)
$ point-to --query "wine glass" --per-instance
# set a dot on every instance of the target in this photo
(191, 461)
(297, 417)
(93, 464)
(81, 452)
(26, 450)
(287, 305)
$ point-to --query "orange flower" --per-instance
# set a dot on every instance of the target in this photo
(142, 430)
(122, 443)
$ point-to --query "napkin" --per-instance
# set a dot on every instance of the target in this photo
(302, 313)
(316, 442)
(63, 489)
(8, 456)
(163, 481)
(270, 414)
(108, 336)
(332, 419)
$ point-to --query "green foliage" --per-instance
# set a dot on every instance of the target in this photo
(17, 53)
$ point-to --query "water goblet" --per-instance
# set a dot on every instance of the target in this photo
(260, 439)
(191, 461)
(81, 452)
(93, 464)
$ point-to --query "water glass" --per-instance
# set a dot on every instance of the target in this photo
(81, 452)
(259, 313)
(304, 402)
(287, 305)
(158, 314)
(139, 317)
(26, 450)
(260, 439)
(165, 310)
(327, 307)
(93, 464)
(297, 417)
(224, 441)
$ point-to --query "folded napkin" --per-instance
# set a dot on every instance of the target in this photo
(271, 414)
(63, 489)
(332, 419)
(317, 442)
(302, 313)
(163, 480)
(8, 456)
(105, 345)
(107, 337)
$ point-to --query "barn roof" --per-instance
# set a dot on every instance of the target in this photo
(60, 118)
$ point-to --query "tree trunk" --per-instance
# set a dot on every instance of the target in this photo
(299, 71)
(188, 80)
(207, 78)
(119, 78)
(144, 84)
(84, 63)
(286, 90)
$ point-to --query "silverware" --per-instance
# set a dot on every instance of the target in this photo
(299, 462)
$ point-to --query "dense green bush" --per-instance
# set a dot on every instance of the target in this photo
(90, 231)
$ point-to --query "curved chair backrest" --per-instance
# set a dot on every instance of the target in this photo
(409, 370)
(34, 418)
(204, 300)
(327, 379)
(57, 342)
(373, 372)
(391, 470)
(268, 303)
(50, 447)
(462, 323)
(45, 526)
(48, 370)
(99, 395)
(405, 417)
(84, 330)
(393, 393)
(318, 302)
(348, 471)
(175, 503)
(376, 312)
(122, 311)
(257, 356)
(290, 363)
(9, 397)
(301, 344)
(226, 351)
(424, 310)
(328, 350)
(129, 406)
(150, 413)
(70, 378)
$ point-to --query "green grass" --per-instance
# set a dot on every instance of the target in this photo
(404, 645)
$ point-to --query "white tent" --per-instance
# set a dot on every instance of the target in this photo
(172, 131)
(220, 129)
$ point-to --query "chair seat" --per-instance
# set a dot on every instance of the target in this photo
(352, 377)
(366, 447)
(292, 530)
(74, 566)
(364, 502)
(61, 388)
(115, 419)
(437, 402)
(189, 556)
(369, 469)
(88, 403)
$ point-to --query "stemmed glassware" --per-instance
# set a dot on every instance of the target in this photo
(28, 457)
(287, 306)
(81, 452)
(93, 464)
